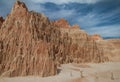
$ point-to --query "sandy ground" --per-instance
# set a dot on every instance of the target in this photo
(103, 72)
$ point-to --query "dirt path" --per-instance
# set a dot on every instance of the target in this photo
(104, 72)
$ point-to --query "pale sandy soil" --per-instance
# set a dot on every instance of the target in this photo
(104, 72)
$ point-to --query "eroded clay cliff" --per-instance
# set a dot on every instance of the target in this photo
(80, 47)
(23, 45)
(111, 48)
(31, 44)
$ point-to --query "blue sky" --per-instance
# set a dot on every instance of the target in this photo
(94, 16)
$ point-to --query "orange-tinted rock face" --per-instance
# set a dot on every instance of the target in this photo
(75, 26)
(1, 21)
(62, 23)
(96, 37)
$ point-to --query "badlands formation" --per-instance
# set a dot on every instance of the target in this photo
(33, 45)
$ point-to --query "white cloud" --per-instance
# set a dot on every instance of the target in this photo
(90, 23)
(93, 19)
(60, 14)
(66, 1)
(105, 31)
(88, 20)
